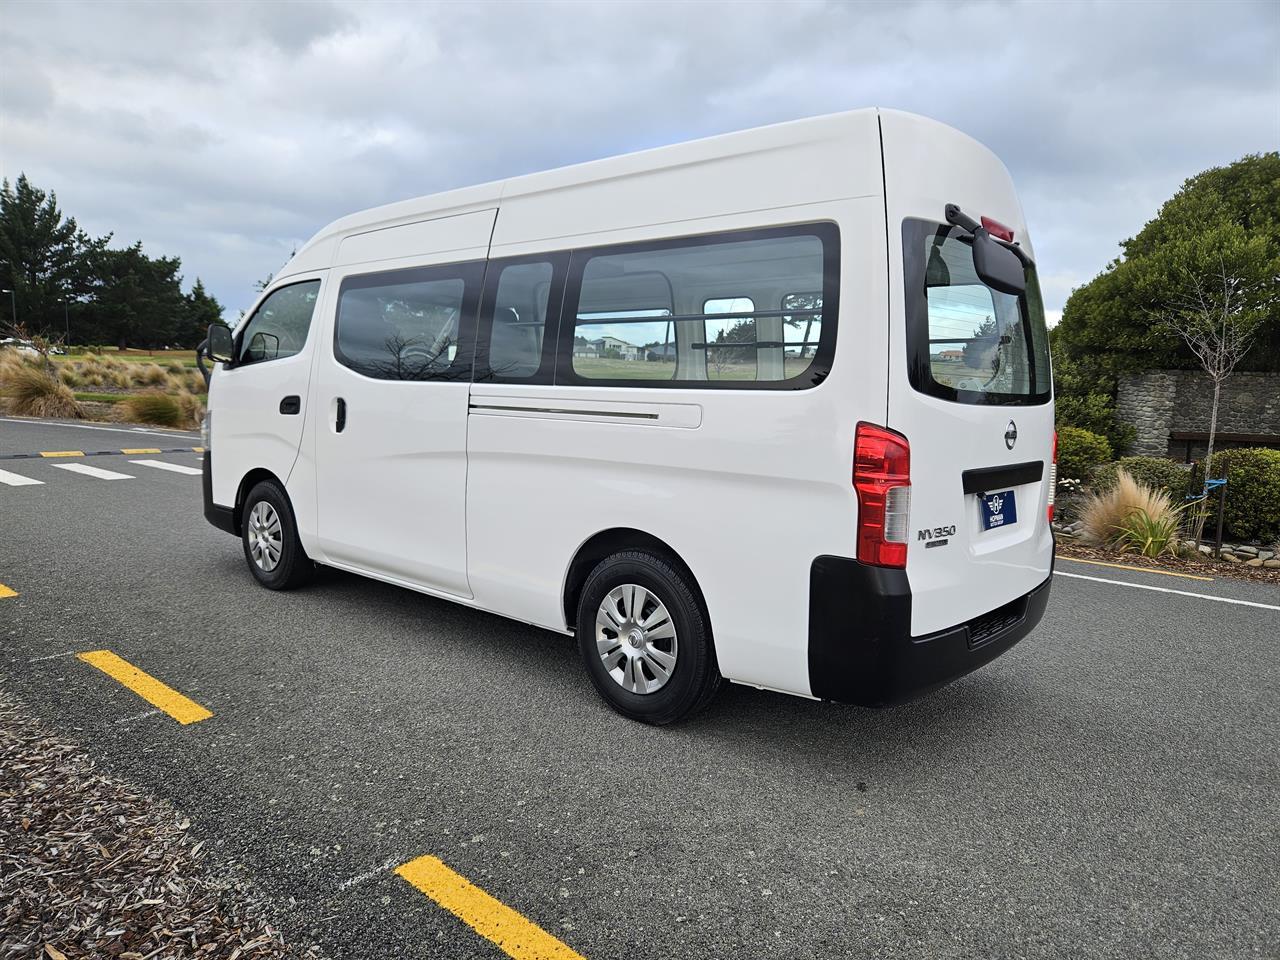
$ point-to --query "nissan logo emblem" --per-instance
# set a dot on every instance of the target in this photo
(1010, 434)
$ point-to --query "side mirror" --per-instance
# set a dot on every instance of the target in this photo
(997, 266)
(221, 347)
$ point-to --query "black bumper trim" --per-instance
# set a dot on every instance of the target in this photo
(224, 518)
(860, 646)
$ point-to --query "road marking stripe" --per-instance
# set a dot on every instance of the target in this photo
(13, 480)
(174, 467)
(146, 686)
(492, 919)
(7, 592)
(198, 449)
(1125, 566)
(62, 453)
(89, 471)
(36, 422)
(137, 450)
(1185, 593)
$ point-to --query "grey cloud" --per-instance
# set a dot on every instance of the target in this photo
(227, 133)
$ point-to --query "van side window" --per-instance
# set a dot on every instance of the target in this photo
(407, 324)
(717, 310)
(515, 316)
(278, 328)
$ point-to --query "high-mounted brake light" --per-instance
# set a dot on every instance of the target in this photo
(1053, 475)
(882, 480)
(997, 229)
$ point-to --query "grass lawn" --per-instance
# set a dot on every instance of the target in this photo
(186, 357)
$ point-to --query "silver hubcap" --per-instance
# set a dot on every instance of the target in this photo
(264, 536)
(636, 639)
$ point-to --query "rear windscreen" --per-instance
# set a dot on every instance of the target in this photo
(967, 342)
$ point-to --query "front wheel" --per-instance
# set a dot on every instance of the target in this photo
(645, 641)
(270, 537)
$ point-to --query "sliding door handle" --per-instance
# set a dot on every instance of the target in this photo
(340, 418)
(291, 404)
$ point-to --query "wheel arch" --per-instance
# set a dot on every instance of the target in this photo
(605, 543)
(247, 483)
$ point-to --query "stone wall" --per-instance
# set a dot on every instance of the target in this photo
(1158, 403)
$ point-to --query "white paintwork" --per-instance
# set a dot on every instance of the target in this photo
(14, 480)
(248, 430)
(171, 467)
(96, 472)
(484, 493)
(946, 438)
(391, 487)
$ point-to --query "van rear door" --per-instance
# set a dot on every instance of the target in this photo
(969, 383)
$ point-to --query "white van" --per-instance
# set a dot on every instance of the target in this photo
(773, 407)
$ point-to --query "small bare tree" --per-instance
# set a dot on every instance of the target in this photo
(1217, 318)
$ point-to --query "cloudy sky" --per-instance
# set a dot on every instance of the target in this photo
(227, 133)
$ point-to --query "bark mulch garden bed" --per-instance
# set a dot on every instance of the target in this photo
(1199, 566)
(92, 867)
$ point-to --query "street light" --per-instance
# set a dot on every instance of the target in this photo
(66, 320)
(13, 299)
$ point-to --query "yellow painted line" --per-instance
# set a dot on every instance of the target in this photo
(196, 449)
(1123, 566)
(492, 919)
(146, 686)
(7, 591)
(142, 450)
(62, 453)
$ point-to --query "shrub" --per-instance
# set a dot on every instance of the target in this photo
(1252, 508)
(158, 408)
(1079, 452)
(1105, 514)
(33, 393)
(148, 375)
(192, 407)
(1155, 472)
(1151, 536)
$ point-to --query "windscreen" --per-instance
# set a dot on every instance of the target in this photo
(968, 342)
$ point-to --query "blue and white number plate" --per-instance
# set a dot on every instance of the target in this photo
(998, 509)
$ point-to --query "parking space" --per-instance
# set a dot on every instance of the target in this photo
(406, 777)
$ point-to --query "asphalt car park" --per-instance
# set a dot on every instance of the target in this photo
(1105, 789)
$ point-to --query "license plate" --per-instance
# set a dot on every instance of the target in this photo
(998, 509)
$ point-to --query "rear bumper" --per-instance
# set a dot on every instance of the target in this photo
(224, 518)
(860, 646)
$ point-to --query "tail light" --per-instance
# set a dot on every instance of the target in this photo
(1053, 475)
(882, 480)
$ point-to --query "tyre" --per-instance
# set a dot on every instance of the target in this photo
(270, 537)
(645, 639)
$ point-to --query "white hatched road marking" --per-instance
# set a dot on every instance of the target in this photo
(174, 467)
(89, 471)
(13, 480)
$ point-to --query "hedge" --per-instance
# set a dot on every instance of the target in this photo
(1079, 451)
(1252, 510)
(1155, 472)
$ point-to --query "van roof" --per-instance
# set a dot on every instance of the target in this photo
(318, 252)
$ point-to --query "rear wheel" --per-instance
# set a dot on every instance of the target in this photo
(645, 641)
(270, 536)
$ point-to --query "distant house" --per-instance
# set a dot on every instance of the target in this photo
(591, 349)
(950, 356)
(612, 346)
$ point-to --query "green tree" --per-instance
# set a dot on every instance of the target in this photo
(44, 256)
(138, 300)
(201, 309)
(1222, 222)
